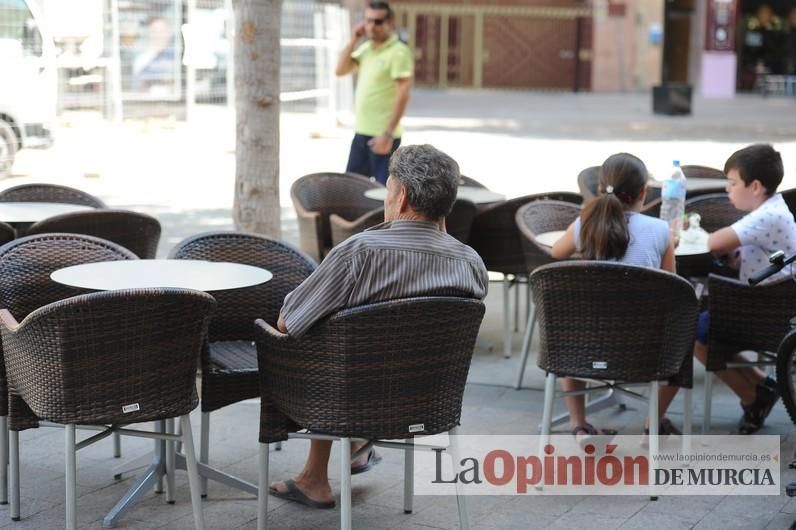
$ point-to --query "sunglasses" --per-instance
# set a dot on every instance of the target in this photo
(376, 21)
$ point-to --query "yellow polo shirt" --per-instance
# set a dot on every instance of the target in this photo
(378, 68)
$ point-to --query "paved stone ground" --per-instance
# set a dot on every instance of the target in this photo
(516, 143)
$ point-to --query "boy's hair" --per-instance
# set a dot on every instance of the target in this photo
(757, 162)
(380, 5)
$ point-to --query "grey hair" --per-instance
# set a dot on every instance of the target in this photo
(430, 177)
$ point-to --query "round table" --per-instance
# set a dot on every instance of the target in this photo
(470, 193)
(187, 274)
(30, 212)
(685, 248)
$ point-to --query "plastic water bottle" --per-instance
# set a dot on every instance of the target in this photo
(673, 200)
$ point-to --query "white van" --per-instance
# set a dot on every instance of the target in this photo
(28, 82)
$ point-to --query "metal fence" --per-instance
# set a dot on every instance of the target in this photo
(154, 58)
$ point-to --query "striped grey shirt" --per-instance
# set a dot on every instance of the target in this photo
(398, 259)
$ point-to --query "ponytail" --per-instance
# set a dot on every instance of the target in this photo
(604, 234)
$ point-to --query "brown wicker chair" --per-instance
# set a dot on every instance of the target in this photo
(25, 285)
(391, 370)
(7, 233)
(49, 193)
(745, 318)
(342, 228)
(789, 196)
(459, 222)
(703, 172)
(716, 212)
(535, 218)
(496, 238)
(652, 208)
(229, 364)
(587, 182)
(584, 308)
(468, 181)
(318, 195)
(135, 231)
(111, 359)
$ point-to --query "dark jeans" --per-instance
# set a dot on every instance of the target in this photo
(365, 162)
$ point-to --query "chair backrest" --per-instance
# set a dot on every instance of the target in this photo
(135, 231)
(496, 238)
(26, 265)
(587, 182)
(538, 217)
(715, 209)
(238, 308)
(87, 358)
(327, 193)
(342, 229)
(49, 193)
(612, 321)
(7, 233)
(743, 317)
(703, 172)
(468, 181)
(789, 196)
(409, 357)
(653, 208)
(459, 222)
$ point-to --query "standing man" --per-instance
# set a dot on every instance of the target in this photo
(384, 66)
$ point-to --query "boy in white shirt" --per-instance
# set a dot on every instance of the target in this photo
(753, 175)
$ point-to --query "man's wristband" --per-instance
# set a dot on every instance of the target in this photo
(388, 134)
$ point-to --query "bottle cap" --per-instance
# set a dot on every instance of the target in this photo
(676, 163)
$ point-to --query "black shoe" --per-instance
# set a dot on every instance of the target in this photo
(755, 414)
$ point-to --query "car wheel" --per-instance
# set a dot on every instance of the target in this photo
(8, 149)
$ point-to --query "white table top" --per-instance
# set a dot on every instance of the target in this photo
(30, 212)
(694, 183)
(549, 238)
(186, 274)
(683, 249)
(470, 193)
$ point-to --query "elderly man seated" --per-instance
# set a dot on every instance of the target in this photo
(408, 255)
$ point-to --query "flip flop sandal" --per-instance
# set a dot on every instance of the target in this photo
(589, 432)
(294, 494)
(373, 459)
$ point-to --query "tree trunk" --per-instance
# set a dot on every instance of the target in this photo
(257, 55)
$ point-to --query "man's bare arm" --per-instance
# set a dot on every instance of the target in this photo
(345, 64)
(281, 325)
(382, 144)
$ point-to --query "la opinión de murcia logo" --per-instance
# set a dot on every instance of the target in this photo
(592, 470)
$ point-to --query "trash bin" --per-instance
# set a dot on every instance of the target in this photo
(673, 99)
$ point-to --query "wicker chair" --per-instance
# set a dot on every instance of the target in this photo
(496, 238)
(652, 208)
(703, 172)
(49, 193)
(716, 212)
(318, 195)
(459, 222)
(584, 308)
(342, 228)
(391, 370)
(7, 233)
(587, 182)
(468, 181)
(135, 231)
(536, 218)
(25, 285)
(111, 359)
(789, 196)
(744, 318)
(229, 364)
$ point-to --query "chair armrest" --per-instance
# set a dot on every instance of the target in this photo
(342, 228)
(8, 321)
